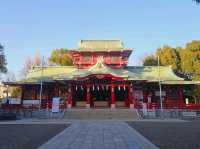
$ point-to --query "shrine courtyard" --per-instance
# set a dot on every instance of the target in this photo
(99, 134)
(102, 87)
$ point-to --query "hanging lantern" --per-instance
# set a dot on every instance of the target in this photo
(81, 87)
(124, 87)
(119, 88)
(76, 88)
(98, 88)
(107, 87)
(93, 87)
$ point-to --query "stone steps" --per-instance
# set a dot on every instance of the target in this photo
(100, 114)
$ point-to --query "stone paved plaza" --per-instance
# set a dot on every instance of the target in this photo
(98, 135)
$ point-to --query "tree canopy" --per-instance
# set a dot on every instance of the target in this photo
(3, 63)
(184, 60)
(30, 62)
(150, 60)
(60, 57)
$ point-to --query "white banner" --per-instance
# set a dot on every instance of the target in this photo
(31, 102)
(11, 101)
(14, 101)
(157, 93)
(56, 104)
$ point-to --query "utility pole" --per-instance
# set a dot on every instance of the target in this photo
(41, 83)
(160, 88)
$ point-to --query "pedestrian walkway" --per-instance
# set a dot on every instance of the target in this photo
(98, 135)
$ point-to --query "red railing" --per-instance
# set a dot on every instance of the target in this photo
(192, 106)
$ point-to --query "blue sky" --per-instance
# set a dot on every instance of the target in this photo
(27, 26)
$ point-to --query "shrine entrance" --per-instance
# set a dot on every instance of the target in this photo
(101, 91)
(121, 96)
(79, 95)
(100, 96)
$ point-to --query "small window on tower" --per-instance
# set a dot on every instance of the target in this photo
(114, 59)
(86, 58)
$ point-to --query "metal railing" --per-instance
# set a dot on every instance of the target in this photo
(168, 113)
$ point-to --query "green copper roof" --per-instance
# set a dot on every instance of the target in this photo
(148, 73)
(49, 73)
(152, 73)
(100, 45)
(101, 68)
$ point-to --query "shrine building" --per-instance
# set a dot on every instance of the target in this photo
(101, 78)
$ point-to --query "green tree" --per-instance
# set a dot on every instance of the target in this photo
(15, 92)
(150, 61)
(61, 57)
(169, 56)
(192, 58)
(30, 62)
(3, 63)
(185, 61)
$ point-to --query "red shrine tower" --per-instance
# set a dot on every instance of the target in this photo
(112, 51)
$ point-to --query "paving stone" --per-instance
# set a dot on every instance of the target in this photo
(98, 135)
(109, 145)
(86, 146)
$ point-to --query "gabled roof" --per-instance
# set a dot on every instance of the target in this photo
(49, 73)
(100, 45)
(152, 73)
(147, 73)
(101, 68)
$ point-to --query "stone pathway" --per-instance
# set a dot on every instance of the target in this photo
(98, 135)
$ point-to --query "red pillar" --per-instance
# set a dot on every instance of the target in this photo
(168, 100)
(130, 96)
(48, 99)
(69, 97)
(144, 96)
(112, 96)
(169, 93)
(88, 102)
(181, 96)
